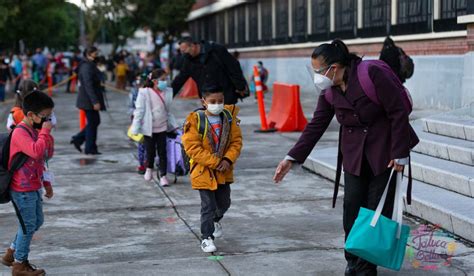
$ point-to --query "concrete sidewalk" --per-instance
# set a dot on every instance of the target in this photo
(106, 220)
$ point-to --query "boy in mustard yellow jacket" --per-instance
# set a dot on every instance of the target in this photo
(213, 140)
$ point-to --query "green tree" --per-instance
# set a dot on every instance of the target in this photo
(52, 23)
(163, 16)
(116, 17)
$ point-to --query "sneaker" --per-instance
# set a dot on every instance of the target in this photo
(148, 174)
(207, 245)
(26, 269)
(8, 259)
(164, 181)
(217, 230)
(141, 169)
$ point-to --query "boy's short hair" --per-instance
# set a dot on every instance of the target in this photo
(37, 102)
(212, 90)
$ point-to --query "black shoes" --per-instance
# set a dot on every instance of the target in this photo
(76, 144)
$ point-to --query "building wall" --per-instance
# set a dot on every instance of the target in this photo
(283, 33)
(436, 83)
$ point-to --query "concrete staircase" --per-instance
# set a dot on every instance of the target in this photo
(442, 168)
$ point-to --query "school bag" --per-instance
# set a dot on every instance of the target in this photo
(407, 67)
(17, 162)
(203, 127)
(178, 161)
(368, 85)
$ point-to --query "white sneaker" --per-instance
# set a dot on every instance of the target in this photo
(217, 230)
(207, 245)
(164, 181)
(148, 174)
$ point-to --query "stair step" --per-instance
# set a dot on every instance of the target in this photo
(450, 210)
(445, 174)
(448, 148)
(456, 126)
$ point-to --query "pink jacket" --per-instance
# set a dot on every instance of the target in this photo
(39, 146)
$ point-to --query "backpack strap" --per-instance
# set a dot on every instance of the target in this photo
(202, 123)
(364, 79)
(20, 158)
(228, 115)
(329, 95)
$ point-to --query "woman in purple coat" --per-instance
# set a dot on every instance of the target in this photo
(374, 137)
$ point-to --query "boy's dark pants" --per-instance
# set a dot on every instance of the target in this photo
(365, 191)
(214, 204)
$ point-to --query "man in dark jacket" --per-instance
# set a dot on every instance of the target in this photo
(90, 99)
(210, 64)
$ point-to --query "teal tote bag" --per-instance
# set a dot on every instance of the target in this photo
(378, 239)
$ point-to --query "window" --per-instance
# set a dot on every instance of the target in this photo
(253, 23)
(453, 8)
(449, 12)
(413, 11)
(242, 25)
(267, 33)
(231, 27)
(220, 27)
(320, 13)
(211, 24)
(300, 18)
(282, 20)
(376, 13)
(345, 15)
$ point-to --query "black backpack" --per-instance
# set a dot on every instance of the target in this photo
(17, 162)
(407, 67)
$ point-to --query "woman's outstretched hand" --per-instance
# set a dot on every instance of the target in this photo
(282, 169)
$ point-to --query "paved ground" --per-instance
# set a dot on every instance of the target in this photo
(106, 220)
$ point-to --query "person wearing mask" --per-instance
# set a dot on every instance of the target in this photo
(208, 63)
(374, 138)
(90, 99)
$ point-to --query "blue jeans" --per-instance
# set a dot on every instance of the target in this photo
(30, 207)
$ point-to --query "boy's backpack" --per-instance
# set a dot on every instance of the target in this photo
(407, 67)
(368, 85)
(17, 162)
(203, 127)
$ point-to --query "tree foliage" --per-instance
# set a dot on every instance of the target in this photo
(52, 23)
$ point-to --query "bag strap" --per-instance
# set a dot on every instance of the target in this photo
(338, 170)
(364, 79)
(378, 211)
(397, 214)
(202, 123)
(20, 158)
(162, 99)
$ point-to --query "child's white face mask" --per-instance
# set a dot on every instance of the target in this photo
(215, 109)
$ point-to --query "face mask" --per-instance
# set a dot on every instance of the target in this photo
(162, 85)
(39, 125)
(215, 109)
(323, 82)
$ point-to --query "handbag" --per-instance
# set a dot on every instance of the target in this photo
(378, 239)
(135, 137)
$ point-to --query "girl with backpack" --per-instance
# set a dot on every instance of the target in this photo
(375, 134)
(151, 118)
